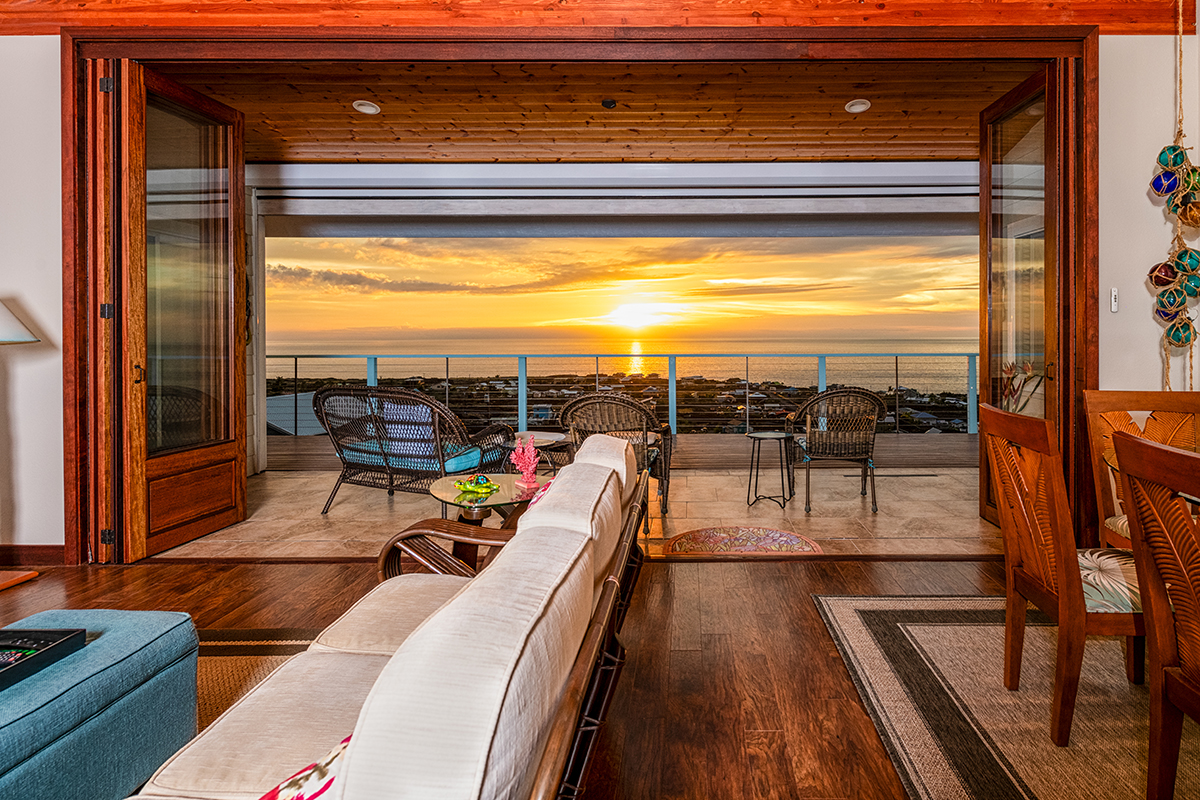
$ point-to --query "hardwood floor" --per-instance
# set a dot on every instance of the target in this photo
(732, 688)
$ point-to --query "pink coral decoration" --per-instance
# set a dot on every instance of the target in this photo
(525, 457)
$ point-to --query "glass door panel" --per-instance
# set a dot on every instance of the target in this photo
(1017, 280)
(187, 279)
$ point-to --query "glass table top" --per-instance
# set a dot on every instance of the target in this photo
(443, 489)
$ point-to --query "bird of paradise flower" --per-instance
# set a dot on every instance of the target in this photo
(1018, 385)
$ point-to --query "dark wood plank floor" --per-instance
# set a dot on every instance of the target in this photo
(732, 689)
(692, 451)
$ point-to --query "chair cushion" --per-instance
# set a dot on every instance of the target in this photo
(372, 453)
(1118, 524)
(1110, 583)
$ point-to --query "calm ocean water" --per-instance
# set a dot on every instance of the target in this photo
(771, 359)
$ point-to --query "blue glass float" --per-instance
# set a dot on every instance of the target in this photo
(1181, 333)
(1162, 275)
(1166, 316)
(1172, 299)
(1172, 156)
(1164, 183)
(1186, 261)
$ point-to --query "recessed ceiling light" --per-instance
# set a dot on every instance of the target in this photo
(1036, 110)
(366, 107)
(609, 103)
(858, 106)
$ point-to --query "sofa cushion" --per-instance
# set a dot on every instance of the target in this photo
(616, 454)
(314, 780)
(585, 498)
(464, 705)
(384, 618)
(294, 717)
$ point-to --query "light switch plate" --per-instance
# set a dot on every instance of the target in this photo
(1113, 302)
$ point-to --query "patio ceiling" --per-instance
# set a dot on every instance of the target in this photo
(555, 112)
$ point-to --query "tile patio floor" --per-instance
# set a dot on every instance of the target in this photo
(921, 512)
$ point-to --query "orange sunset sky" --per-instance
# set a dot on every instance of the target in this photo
(348, 292)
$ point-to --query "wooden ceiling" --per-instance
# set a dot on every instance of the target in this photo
(553, 112)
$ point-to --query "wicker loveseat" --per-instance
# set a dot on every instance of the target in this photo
(401, 440)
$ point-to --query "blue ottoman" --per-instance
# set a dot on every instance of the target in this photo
(99, 722)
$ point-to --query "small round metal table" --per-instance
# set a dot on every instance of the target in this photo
(756, 440)
(551, 444)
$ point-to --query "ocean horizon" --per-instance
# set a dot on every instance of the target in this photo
(919, 360)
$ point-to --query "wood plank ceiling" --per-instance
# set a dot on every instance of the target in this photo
(555, 112)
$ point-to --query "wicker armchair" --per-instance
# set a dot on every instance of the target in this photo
(625, 418)
(838, 425)
(401, 440)
(1158, 481)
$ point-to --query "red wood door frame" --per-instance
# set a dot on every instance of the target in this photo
(1072, 49)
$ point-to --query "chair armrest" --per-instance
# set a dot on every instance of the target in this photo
(667, 438)
(489, 441)
(416, 541)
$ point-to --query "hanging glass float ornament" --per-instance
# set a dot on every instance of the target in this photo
(1190, 215)
(1164, 316)
(1165, 183)
(1181, 332)
(1186, 260)
(1172, 156)
(1172, 299)
(1190, 285)
(1163, 275)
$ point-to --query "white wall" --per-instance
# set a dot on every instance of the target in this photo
(1137, 119)
(31, 441)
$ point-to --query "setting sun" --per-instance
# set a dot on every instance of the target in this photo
(641, 315)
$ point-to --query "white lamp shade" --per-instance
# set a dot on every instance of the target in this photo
(11, 329)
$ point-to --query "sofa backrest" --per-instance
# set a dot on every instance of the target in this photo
(461, 711)
(616, 454)
(584, 499)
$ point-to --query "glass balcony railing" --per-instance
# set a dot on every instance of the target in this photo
(695, 392)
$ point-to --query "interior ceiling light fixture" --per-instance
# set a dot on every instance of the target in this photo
(609, 103)
(366, 107)
(858, 106)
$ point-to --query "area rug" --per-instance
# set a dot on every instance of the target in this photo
(234, 660)
(739, 540)
(929, 669)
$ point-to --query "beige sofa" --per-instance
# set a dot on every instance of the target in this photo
(453, 686)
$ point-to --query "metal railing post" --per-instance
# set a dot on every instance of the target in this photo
(522, 402)
(972, 396)
(672, 409)
(372, 370)
(296, 396)
(896, 394)
(747, 394)
(820, 373)
(447, 381)
(597, 373)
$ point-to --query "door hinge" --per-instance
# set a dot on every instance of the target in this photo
(108, 536)
(107, 311)
(107, 84)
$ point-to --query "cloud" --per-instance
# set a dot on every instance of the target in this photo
(338, 281)
(737, 287)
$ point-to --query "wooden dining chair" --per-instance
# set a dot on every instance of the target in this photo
(1160, 484)
(1089, 592)
(1165, 417)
